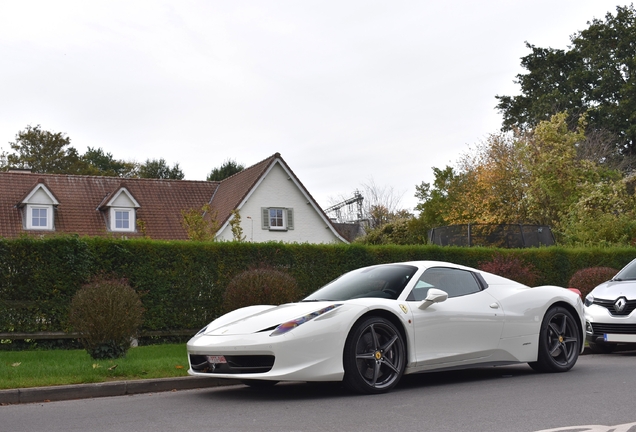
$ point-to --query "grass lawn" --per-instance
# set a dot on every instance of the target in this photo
(20, 369)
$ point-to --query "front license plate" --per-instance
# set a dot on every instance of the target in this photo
(608, 337)
(216, 359)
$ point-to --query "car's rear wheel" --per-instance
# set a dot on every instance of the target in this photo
(602, 348)
(559, 342)
(374, 356)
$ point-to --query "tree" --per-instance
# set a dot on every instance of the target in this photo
(44, 152)
(227, 169)
(49, 152)
(159, 169)
(492, 183)
(536, 177)
(381, 205)
(104, 164)
(200, 224)
(596, 75)
(436, 199)
(604, 215)
(523, 178)
(556, 175)
(398, 231)
(235, 224)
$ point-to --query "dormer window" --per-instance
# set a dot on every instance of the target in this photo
(38, 209)
(39, 217)
(122, 209)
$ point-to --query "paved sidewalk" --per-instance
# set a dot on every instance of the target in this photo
(114, 388)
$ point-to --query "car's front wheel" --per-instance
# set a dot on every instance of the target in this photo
(559, 342)
(374, 356)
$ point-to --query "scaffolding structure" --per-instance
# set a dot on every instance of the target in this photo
(347, 211)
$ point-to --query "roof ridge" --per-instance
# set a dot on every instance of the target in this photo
(114, 178)
(253, 166)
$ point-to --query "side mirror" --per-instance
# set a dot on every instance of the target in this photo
(434, 295)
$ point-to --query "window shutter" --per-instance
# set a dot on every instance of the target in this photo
(265, 218)
(290, 219)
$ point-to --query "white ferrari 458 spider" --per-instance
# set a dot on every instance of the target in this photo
(372, 325)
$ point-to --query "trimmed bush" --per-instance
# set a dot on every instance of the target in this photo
(260, 286)
(107, 313)
(511, 267)
(585, 280)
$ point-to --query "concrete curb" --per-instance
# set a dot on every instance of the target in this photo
(115, 388)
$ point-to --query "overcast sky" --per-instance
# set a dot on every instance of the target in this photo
(349, 92)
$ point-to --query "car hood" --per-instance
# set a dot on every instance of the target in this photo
(614, 289)
(268, 319)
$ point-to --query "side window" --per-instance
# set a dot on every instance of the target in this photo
(277, 218)
(455, 282)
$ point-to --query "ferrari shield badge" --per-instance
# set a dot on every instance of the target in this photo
(404, 308)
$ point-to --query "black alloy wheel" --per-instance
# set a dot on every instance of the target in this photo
(559, 342)
(374, 356)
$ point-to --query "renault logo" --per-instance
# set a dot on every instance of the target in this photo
(620, 304)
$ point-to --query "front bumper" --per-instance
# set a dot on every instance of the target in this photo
(294, 356)
(603, 327)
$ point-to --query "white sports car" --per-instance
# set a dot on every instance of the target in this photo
(372, 325)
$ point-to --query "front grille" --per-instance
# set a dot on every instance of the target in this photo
(237, 364)
(602, 328)
(630, 305)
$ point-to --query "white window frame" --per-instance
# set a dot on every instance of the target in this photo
(131, 219)
(283, 219)
(49, 217)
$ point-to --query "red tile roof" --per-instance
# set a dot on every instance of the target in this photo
(233, 190)
(161, 202)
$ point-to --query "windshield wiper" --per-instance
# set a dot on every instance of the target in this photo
(314, 300)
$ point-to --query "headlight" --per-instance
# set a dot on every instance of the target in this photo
(589, 300)
(290, 325)
(202, 330)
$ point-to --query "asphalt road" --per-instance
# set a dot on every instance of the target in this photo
(600, 390)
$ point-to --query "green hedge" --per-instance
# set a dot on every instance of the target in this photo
(182, 283)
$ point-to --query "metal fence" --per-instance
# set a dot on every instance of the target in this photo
(503, 235)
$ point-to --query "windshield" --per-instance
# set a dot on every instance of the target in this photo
(627, 273)
(383, 281)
